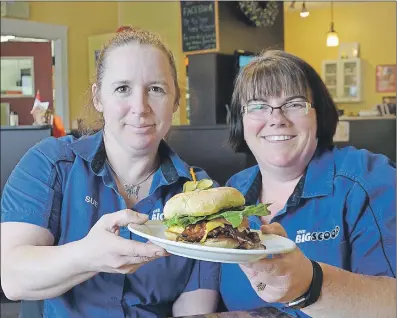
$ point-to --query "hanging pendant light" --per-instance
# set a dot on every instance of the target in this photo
(304, 13)
(332, 36)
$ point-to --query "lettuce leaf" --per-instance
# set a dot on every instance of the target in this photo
(183, 220)
(234, 217)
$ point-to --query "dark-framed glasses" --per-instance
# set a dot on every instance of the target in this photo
(259, 110)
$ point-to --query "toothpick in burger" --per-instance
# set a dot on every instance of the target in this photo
(214, 217)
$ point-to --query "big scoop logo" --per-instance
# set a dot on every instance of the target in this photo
(303, 236)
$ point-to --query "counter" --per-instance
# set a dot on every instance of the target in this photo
(376, 134)
(25, 127)
(348, 118)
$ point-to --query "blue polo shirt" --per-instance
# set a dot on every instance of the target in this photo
(342, 213)
(65, 186)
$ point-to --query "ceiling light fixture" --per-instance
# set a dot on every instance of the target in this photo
(304, 13)
(332, 36)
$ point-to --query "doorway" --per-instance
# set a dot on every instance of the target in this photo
(58, 35)
(26, 75)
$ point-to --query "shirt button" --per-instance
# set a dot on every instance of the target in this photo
(113, 298)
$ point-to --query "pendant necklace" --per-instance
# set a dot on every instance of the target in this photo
(131, 189)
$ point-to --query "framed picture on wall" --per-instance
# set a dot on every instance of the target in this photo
(386, 78)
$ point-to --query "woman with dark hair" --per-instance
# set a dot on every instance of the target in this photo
(338, 205)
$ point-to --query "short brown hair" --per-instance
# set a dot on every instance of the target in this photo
(92, 120)
(274, 73)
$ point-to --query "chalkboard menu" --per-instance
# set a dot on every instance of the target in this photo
(199, 26)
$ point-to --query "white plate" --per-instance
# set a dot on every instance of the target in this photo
(154, 232)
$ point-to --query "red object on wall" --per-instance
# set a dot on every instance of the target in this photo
(41, 52)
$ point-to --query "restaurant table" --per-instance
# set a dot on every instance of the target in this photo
(264, 312)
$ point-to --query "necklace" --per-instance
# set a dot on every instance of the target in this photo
(131, 189)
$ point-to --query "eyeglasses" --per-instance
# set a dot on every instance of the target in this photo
(259, 110)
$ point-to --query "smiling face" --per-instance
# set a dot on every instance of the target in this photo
(273, 102)
(277, 137)
(136, 96)
(282, 140)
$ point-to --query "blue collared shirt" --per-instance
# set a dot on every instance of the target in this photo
(65, 186)
(342, 213)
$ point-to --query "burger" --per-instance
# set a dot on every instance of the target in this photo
(214, 217)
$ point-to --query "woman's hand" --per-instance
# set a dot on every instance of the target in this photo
(282, 278)
(107, 252)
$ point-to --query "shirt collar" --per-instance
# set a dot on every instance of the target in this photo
(316, 181)
(172, 166)
(92, 149)
(254, 185)
(320, 175)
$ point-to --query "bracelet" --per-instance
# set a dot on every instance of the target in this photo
(314, 291)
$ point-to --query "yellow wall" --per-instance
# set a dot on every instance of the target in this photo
(372, 25)
(303, 37)
(164, 19)
(83, 19)
(95, 43)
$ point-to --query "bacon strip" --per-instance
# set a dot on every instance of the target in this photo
(248, 240)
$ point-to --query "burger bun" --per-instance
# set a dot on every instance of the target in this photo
(203, 202)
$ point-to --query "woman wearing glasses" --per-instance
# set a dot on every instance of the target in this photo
(338, 205)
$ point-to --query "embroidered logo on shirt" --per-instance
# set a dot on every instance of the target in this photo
(92, 201)
(302, 236)
(157, 215)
